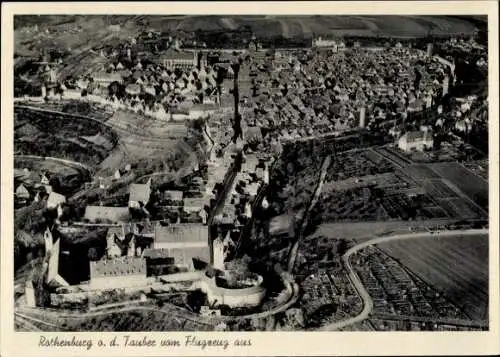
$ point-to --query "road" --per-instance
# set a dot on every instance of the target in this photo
(356, 281)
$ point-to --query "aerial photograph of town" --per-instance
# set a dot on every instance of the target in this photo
(251, 173)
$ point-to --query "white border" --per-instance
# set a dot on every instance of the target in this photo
(289, 343)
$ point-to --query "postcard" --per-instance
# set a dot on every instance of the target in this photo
(250, 178)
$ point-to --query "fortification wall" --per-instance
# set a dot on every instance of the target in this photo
(115, 282)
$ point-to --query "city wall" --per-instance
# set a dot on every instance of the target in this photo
(115, 282)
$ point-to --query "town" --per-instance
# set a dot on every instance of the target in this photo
(181, 180)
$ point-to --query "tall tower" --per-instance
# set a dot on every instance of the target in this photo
(362, 117)
(446, 84)
(218, 254)
(430, 48)
(48, 240)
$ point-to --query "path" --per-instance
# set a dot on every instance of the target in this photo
(358, 285)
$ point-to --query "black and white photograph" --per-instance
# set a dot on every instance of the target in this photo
(266, 173)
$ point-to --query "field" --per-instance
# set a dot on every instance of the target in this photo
(458, 266)
(475, 187)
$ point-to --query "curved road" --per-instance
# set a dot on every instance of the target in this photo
(356, 281)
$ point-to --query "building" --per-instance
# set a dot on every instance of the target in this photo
(48, 240)
(218, 254)
(322, 43)
(53, 273)
(105, 213)
(416, 140)
(22, 193)
(158, 262)
(362, 117)
(120, 241)
(172, 59)
(139, 194)
(55, 200)
(183, 242)
(430, 48)
(446, 85)
(173, 196)
(103, 79)
(117, 273)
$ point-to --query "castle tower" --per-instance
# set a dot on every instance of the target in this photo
(218, 254)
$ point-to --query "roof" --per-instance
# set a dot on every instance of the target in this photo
(118, 267)
(194, 202)
(22, 191)
(181, 233)
(114, 214)
(133, 89)
(416, 136)
(107, 77)
(176, 55)
(184, 256)
(145, 227)
(140, 192)
(153, 253)
(55, 199)
(173, 195)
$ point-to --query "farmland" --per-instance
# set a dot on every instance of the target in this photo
(457, 266)
(475, 187)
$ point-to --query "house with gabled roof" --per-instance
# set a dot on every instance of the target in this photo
(22, 193)
(120, 240)
(183, 241)
(106, 213)
(55, 200)
(139, 194)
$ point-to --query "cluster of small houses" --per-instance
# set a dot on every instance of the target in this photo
(176, 84)
(318, 92)
(33, 187)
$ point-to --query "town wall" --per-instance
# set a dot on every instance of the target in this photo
(180, 277)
